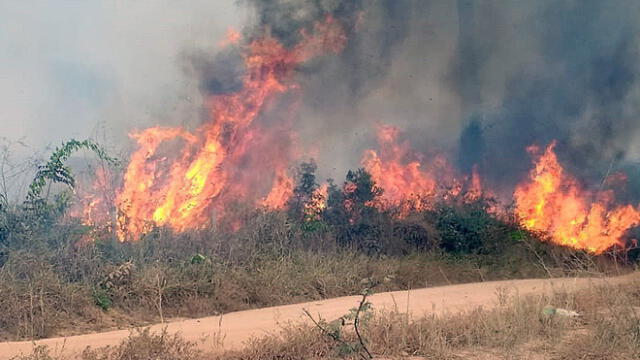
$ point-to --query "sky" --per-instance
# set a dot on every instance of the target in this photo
(97, 69)
(533, 71)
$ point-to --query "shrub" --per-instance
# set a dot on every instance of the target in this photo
(145, 345)
(35, 301)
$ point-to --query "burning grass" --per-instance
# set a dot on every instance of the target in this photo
(313, 249)
(185, 230)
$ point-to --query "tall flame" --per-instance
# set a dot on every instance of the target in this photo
(409, 182)
(552, 201)
(280, 192)
(177, 177)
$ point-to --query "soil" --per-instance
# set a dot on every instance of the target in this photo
(230, 331)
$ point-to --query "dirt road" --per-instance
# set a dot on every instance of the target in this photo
(236, 328)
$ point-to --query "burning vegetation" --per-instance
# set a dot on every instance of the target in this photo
(230, 156)
(188, 180)
(342, 140)
(553, 202)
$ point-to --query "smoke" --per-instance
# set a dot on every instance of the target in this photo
(579, 86)
(95, 68)
(478, 80)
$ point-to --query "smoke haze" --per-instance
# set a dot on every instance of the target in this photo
(87, 68)
(479, 81)
(519, 73)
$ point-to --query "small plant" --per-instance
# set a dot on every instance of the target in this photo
(55, 170)
(198, 259)
(102, 299)
(144, 344)
(356, 317)
(40, 352)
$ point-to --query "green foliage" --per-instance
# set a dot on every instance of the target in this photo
(357, 317)
(350, 211)
(360, 193)
(353, 203)
(198, 259)
(4, 230)
(304, 191)
(469, 228)
(102, 299)
(39, 210)
(56, 171)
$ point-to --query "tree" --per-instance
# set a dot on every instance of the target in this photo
(303, 193)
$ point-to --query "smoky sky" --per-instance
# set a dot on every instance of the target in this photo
(101, 68)
(477, 80)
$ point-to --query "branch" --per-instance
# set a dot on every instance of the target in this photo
(333, 336)
(356, 321)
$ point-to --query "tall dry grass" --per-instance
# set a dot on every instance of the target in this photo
(513, 328)
(516, 328)
(251, 270)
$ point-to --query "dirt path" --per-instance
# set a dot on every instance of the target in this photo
(238, 327)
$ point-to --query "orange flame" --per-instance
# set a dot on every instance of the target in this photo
(409, 182)
(403, 181)
(318, 202)
(233, 37)
(552, 201)
(176, 177)
(280, 192)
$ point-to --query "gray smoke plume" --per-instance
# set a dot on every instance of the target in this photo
(478, 80)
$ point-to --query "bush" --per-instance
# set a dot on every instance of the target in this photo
(35, 301)
(468, 228)
(145, 345)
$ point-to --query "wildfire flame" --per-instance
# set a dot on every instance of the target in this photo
(176, 177)
(280, 192)
(318, 202)
(410, 183)
(180, 178)
(553, 201)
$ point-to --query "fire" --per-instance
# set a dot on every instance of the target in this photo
(184, 178)
(233, 37)
(318, 202)
(552, 201)
(280, 192)
(402, 181)
(176, 177)
(411, 183)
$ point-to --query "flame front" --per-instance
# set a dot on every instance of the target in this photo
(552, 201)
(179, 189)
(409, 182)
(182, 179)
(280, 192)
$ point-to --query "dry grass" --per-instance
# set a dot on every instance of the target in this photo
(516, 328)
(608, 328)
(36, 302)
(140, 345)
(41, 301)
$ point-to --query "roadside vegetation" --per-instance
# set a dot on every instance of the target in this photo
(60, 277)
(604, 326)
